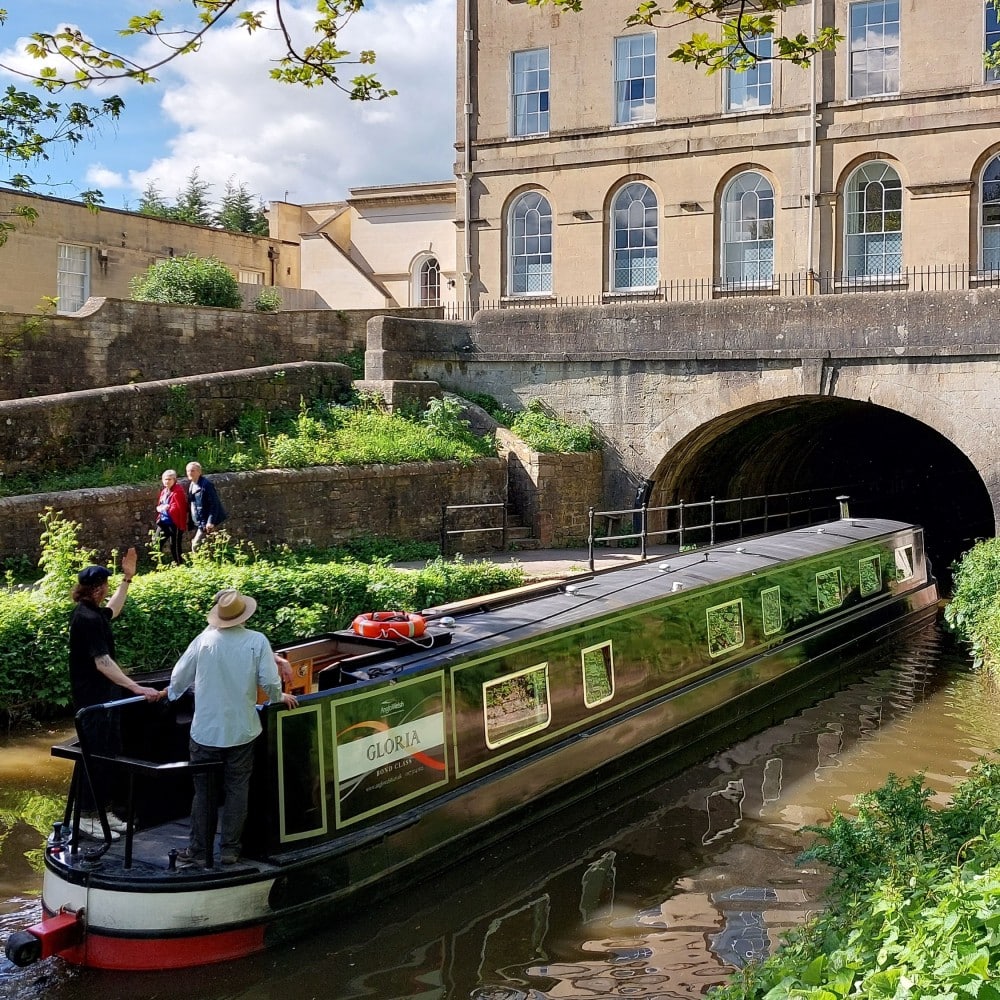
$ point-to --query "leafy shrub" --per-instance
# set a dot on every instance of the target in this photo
(323, 434)
(547, 433)
(355, 360)
(974, 609)
(268, 301)
(188, 280)
(486, 402)
(298, 595)
(913, 912)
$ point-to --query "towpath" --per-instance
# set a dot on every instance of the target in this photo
(557, 564)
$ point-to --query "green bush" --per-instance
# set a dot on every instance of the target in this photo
(268, 301)
(298, 595)
(188, 280)
(974, 610)
(322, 434)
(547, 433)
(913, 911)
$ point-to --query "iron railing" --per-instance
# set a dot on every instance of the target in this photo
(448, 512)
(706, 522)
(928, 278)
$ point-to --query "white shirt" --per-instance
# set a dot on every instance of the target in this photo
(225, 666)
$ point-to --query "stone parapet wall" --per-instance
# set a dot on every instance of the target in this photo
(318, 506)
(551, 492)
(116, 342)
(64, 430)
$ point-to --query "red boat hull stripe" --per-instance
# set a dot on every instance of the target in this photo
(100, 951)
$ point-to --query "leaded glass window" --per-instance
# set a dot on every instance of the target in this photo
(874, 222)
(748, 229)
(635, 237)
(530, 245)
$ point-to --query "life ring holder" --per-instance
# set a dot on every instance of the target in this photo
(389, 625)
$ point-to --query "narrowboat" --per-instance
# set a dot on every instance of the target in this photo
(418, 738)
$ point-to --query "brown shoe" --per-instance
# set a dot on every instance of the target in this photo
(188, 859)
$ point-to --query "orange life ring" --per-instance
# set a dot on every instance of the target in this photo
(389, 625)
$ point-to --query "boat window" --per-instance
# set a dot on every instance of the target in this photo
(598, 674)
(870, 575)
(301, 779)
(725, 627)
(829, 589)
(904, 562)
(770, 609)
(516, 705)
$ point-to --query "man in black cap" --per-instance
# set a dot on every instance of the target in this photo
(96, 678)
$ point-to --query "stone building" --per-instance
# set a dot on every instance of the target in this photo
(381, 248)
(591, 164)
(72, 253)
(390, 246)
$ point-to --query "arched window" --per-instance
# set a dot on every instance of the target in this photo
(748, 229)
(634, 238)
(990, 229)
(427, 283)
(530, 246)
(874, 222)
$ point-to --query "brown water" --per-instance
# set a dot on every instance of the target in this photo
(660, 897)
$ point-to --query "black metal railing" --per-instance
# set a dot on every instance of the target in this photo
(926, 278)
(707, 522)
(450, 532)
(85, 759)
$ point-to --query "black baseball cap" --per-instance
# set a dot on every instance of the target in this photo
(92, 575)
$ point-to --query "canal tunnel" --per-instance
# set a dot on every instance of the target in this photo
(891, 465)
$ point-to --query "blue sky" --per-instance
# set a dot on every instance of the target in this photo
(217, 110)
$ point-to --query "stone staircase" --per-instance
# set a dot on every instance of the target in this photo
(519, 534)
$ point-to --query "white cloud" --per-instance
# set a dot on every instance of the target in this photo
(232, 120)
(103, 178)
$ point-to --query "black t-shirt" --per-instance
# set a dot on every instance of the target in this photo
(90, 636)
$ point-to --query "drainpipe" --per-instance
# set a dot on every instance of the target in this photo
(467, 157)
(813, 100)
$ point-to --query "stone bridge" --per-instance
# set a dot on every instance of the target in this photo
(892, 393)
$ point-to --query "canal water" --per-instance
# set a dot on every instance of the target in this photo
(663, 894)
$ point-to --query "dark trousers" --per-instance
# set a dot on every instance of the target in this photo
(100, 733)
(237, 766)
(173, 536)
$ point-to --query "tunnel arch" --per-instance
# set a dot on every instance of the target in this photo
(893, 464)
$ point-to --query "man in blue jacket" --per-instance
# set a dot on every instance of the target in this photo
(207, 512)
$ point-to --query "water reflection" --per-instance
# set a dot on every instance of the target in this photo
(658, 893)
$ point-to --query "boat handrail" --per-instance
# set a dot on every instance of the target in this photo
(131, 765)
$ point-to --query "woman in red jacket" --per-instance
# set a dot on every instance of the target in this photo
(171, 514)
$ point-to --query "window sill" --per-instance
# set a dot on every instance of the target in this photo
(984, 278)
(886, 282)
(764, 287)
(651, 292)
(763, 109)
(529, 298)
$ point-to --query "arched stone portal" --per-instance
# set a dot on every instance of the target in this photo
(892, 464)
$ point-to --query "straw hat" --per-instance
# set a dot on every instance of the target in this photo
(231, 608)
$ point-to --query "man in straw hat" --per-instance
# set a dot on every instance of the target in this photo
(225, 665)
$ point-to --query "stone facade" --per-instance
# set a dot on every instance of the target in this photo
(742, 394)
(930, 117)
(52, 432)
(391, 246)
(109, 247)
